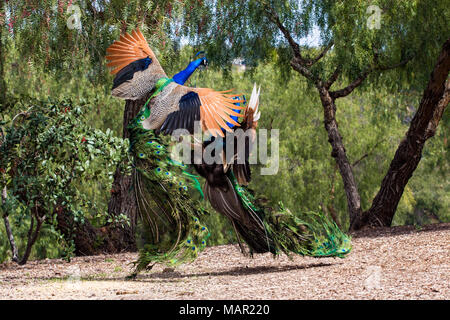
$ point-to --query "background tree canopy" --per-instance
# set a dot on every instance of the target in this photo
(292, 48)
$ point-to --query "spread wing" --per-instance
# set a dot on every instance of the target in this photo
(135, 66)
(213, 109)
(241, 165)
(244, 139)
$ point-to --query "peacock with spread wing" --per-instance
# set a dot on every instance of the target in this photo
(170, 215)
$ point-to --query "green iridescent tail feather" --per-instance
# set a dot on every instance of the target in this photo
(312, 234)
(170, 230)
(192, 177)
(309, 234)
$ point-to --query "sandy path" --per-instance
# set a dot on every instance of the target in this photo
(397, 263)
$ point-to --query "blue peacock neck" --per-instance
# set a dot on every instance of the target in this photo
(182, 76)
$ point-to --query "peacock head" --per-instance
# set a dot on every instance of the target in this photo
(200, 62)
(201, 57)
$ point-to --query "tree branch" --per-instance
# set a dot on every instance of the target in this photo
(368, 153)
(311, 62)
(23, 113)
(273, 16)
(299, 65)
(299, 60)
(357, 82)
(32, 236)
(352, 86)
(332, 79)
(15, 252)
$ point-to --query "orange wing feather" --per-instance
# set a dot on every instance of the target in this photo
(129, 48)
(216, 109)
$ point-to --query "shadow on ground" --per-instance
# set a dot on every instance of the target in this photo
(170, 276)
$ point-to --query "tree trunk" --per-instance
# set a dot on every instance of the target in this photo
(123, 198)
(32, 236)
(89, 240)
(339, 154)
(407, 157)
(14, 250)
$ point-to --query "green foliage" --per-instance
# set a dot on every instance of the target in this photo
(53, 163)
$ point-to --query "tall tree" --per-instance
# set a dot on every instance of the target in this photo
(436, 97)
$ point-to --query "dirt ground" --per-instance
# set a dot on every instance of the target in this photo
(396, 263)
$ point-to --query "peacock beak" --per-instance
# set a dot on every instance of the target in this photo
(204, 64)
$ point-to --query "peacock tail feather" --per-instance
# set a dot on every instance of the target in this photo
(308, 234)
(191, 177)
(170, 230)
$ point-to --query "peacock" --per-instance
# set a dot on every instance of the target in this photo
(169, 208)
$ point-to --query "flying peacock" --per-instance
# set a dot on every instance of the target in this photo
(169, 213)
